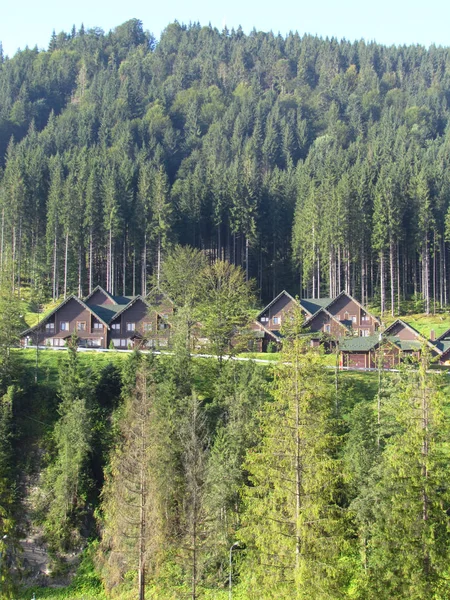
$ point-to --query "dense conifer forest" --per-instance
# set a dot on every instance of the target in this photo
(315, 164)
(222, 167)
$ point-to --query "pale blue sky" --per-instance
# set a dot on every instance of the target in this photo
(30, 22)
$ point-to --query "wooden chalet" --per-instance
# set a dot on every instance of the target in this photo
(333, 317)
(102, 320)
(399, 342)
(442, 347)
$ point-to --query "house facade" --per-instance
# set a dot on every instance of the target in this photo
(333, 317)
(102, 321)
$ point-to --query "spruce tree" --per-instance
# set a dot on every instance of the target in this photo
(294, 521)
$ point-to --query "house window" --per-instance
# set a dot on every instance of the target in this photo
(346, 316)
(98, 325)
(327, 328)
(353, 318)
(81, 325)
(96, 343)
(115, 326)
(276, 320)
(131, 326)
(365, 317)
(148, 327)
(58, 342)
(364, 333)
(49, 327)
(64, 325)
(265, 319)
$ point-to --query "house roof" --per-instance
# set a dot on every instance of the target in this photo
(283, 293)
(127, 306)
(444, 336)
(344, 293)
(359, 344)
(115, 299)
(401, 322)
(324, 310)
(313, 305)
(51, 313)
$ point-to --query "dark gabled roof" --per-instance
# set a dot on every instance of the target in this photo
(283, 293)
(324, 310)
(410, 327)
(107, 312)
(313, 305)
(444, 336)
(122, 309)
(344, 293)
(121, 300)
(442, 346)
(51, 313)
(360, 344)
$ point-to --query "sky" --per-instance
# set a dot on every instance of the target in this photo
(31, 22)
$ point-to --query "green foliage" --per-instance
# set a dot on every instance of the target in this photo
(66, 480)
(295, 528)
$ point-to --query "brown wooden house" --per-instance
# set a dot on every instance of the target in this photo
(102, 320)
(73, 316)
(332, 317)
(398, 343)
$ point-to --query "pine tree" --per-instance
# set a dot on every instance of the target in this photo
(294, 523)
(133, 495)
(66, 481)
(408, 547)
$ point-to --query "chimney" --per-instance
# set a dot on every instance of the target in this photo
(432, 335)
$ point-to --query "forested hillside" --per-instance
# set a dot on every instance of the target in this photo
(315, 164)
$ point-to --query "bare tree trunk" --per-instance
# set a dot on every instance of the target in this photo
(124, 268)
(80, 291)
(246, 258)
(339, 270)
(66, 253)
(134, 271)
(158, 269)
(55, 266)
(13, 259)
(382, 288)
(426, 276)
(90, 261)
(392, 270)
(144, 268)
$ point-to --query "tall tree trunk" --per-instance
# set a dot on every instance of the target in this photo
(55, 266)
(158, 269)
(124, 268)
(426, 276)
(66, 254)
(144, 268)
(382, 288)
(90, 261)
(134, 270)
(392, 273)
(246, 259)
